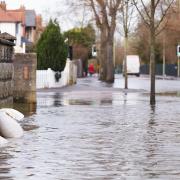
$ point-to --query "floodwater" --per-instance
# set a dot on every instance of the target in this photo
(96, 135)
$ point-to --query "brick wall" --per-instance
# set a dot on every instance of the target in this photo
(25, 77)
(6, 73)
(6, 84)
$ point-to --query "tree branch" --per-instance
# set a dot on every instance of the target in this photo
(98, 21)
(147, 22)
(164, 13)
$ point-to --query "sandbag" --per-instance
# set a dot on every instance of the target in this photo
(13, 113)
(9, 128)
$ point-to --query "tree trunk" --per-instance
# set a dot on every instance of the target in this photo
(152, 66)
(110, 64)
(126, 30)
(106, 57)
(103, 55)
(125, 63)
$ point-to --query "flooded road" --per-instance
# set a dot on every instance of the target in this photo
(95, 132)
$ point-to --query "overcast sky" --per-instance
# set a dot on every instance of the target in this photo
(47, 8)
(38, 5)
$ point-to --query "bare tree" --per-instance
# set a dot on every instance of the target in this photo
(78, 14)
(105, 15)
(127, 13)
(105, 12)
(153, 14)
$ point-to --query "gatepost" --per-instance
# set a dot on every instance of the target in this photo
(6, 71)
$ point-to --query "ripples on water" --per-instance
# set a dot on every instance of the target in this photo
(97, 136)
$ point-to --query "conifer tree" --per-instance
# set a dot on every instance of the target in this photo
(51, 48)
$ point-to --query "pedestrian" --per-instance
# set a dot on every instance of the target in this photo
(91, 69)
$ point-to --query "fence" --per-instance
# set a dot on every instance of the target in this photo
(46, 78)
(171, 69)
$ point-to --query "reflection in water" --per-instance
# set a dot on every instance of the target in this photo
(27, 109)
(82, 135)
(151, 144)
(153, 109)
(172, 94)
(29, 127)
(78, 102)
(5, 167)
(57, 100)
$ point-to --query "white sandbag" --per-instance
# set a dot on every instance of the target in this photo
(3, 141)
(9, 128)
(13, 113)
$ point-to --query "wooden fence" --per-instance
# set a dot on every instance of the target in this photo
(46, 78)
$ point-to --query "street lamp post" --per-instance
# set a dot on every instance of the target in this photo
(178, 54)
(164, 57)
(126, 43)
(178, 66)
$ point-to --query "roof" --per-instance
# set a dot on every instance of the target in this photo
(26, 17)
(19, 15)
(30, 18)
(7, 36)
(7, 17)
(6, 42)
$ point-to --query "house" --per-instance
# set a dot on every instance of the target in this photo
(21, 23)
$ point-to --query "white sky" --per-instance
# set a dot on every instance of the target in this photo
(38, 5)
(48, 9)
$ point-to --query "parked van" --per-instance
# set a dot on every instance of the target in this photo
(133, 65)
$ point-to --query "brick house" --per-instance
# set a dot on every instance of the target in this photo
(21, 23)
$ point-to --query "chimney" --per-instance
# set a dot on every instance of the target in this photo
(39, 21)
(22, 7)
(3, 5)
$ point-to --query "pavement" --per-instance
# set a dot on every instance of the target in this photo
(91, 84)
(135, 85)
(163, 77)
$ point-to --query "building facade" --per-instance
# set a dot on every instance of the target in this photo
(22, 23)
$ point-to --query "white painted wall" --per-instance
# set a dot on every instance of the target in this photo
(46, 78)
(19, 34)
(10, 28)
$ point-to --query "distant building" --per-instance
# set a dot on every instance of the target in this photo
(21, 23)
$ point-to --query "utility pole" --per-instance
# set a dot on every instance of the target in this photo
(178, 67)
(178, 46)
(164, 56)
(126, 44)
(114, 53)
(178, 54)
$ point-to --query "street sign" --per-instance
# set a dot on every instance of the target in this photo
(178, 50)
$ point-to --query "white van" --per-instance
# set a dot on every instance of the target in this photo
(133, 65)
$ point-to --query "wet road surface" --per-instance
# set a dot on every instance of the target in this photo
(93, 131)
